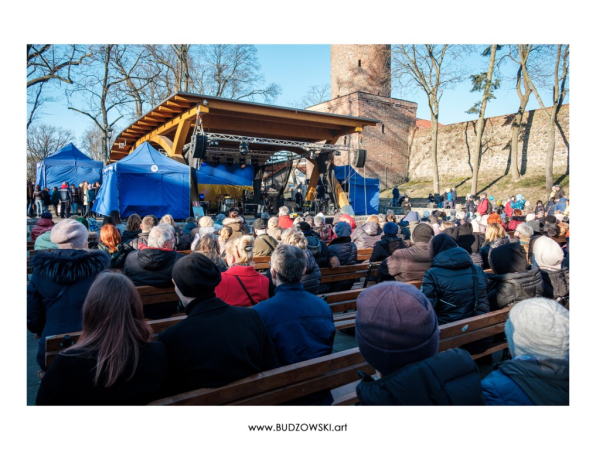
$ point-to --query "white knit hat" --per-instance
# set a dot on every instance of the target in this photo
(547, 254)
(538, 327)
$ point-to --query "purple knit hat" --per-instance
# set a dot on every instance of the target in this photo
(395, 326)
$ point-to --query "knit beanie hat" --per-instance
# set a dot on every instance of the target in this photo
(547, 254)
(69, 233)
(343, 229)
(46, 215)
(304, 226)
(422, 233)
(395, 326)
(508, 258)
(426, 213)
(391, 229)
(538, 327)
(550, 219)
(83, 221)
(530, 216)
(440, 243)
(196, 276)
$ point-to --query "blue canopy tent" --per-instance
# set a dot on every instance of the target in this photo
(363, 192)
(67, 164)
(145, 182)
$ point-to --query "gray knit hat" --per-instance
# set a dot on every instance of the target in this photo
(538, 327)
(69, 233)
(395, 326)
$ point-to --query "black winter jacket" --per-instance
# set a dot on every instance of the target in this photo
(407, 264)
(556, 282)
(344, 249)
(447, 378)
(56, 292)
(153, 267)
(367, 235)
(385, 247)
(484, 251)
(449, 286)
(322, 255)
(117, 258)
(512, 287)
(128, 236)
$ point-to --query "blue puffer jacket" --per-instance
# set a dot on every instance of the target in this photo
(449, 286)
(57, 290)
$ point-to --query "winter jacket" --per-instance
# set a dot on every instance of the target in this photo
(215, 345)
(189, 227)
(407, 264)
(317, 248)
(128, 236)
(550, 208)
(264, 245)
(311, 280)
(231, 291)
(555, 283)
(55, 197)
(539, 208)
(70, 380)
(483, 207)
(347, 254)
(325, 232)
(449, 286)
(471, 243)
(484, 251)
(43, 242)
(512, 287)
(153, 267)
(385, 247)
(447, 378)
(561, 205)
(514, 222)
(236, 225)
(57, 289)
(64, 195)
(470, 207)
(509, 208)
(284, 222)
(38, 194)
(47, 199)
(275, 233)
(41, 227)
(527, 381)
(367, 235)
(140, 239)
(118, 257)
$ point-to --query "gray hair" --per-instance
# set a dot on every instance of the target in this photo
(159, 235)
(525, 230)
(319, 221)
(273, 222)
(291, 236)
(205, 221)
(309, 219)
(284, 211)
(289, 263)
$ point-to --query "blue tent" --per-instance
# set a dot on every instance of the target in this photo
(145, 182)
(364, 192)
(67, 164)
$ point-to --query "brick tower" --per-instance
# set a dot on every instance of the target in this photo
(364, 68)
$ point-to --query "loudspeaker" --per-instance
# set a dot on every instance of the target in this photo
(198, 146)
(250, 208)
(359, 158)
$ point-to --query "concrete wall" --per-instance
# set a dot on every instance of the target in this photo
(456, 140)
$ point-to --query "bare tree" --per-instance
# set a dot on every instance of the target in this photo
(92, 143)
(433, 69)
(482, 82)
(42, 141)
(559, 87)
(316, 94)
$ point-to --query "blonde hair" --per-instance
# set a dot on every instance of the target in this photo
(373, 218)
(273, 222)
(241, 249)
(225, 233)
(493, 232)
(294, 237)
(205, 221)
(168, 219)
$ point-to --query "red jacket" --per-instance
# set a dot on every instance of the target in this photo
(285, 222)
(508, 209)
(482, 207)
(512, 225)
(231, 292)
(42, 226)
(350, 220)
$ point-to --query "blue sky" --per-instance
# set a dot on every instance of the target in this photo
(297, 67)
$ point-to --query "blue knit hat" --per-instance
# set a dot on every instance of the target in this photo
(391, 229)
(343, 229)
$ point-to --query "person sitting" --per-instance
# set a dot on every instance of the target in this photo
(323, 230)
(114, 362)
(147, 224)
(205, 227)
(112, 245)
(218, 224)
(367, 235)
(44, 224)
(152, 266)
(511, 281)
(236, 223)
(348, 219)
(388, 244)
(516, 219)
(44, 241)
(454, 285)
(182, 241)
(548, 256)
(409, 264)
(342, 252)
(397, 333)
(225, 236)
(406, 224)
(524, 234)
(470, 242)
(59, 283)
(190, 225)
(133, 228)
(115, 215)
(264, 244)
(311, 280)
(209, 247)
(406, 205)
(241, 284)
(314, 245)
(273, 228)
(216, 343)
(537, 331)
(494, 236)
(300, 323)
(284, 219)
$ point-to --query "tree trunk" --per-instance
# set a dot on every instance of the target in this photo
(550, 152)
(476, 155)
(514, 144)
(434, 131)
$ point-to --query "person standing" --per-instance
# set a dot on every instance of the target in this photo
(38, 199)
(65, 200)
(298, 199)
(395, 194)
(74, 192)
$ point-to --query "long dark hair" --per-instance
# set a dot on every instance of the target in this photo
(113, 327)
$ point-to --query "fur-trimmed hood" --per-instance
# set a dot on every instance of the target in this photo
(69, 266)
(230, 221)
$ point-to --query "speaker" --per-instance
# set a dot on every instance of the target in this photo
(250, 208)
(198, 146)
(359, 158)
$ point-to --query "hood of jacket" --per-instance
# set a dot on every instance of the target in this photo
(230, 221)
(372, 228)
(69, 266)
(454, 258)
(45, 223)
(155, 258)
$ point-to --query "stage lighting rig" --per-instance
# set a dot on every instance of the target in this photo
(244, 148)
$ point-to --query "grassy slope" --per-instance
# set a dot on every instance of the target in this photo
(531, 186)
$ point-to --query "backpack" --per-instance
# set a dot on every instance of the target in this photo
(92, 224)
(313, 245)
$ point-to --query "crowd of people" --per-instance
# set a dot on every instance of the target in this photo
(66, 200)
(240, 321)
